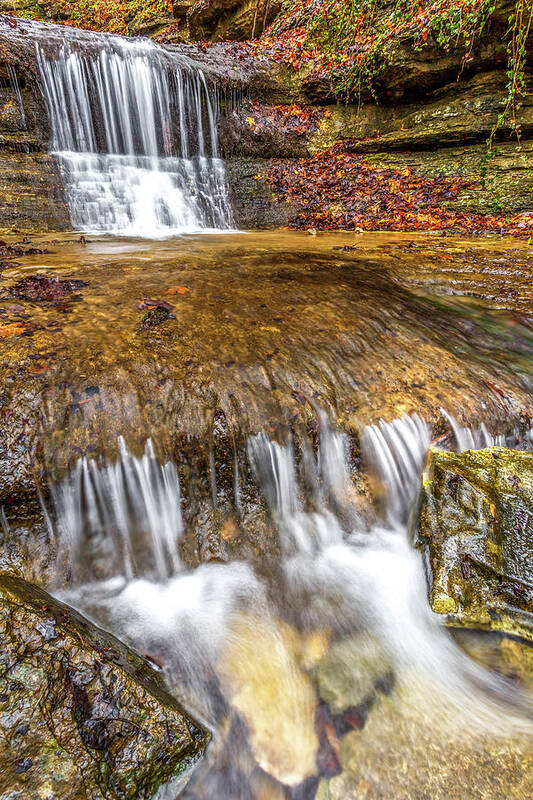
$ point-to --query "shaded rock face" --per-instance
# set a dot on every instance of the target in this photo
(30, 186)
(477, 525)
(219, 20)
(462, 112)
(83, 716)
(253, 202)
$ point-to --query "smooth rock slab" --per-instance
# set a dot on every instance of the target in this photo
(476, 521)
(81, 716)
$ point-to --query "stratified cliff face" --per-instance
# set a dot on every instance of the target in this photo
(32, 195)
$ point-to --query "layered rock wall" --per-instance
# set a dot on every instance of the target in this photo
(30, 186)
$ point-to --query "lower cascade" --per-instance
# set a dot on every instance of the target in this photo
(347, 573)
(134, 131)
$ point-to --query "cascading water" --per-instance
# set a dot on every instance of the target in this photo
(119, 513)
(220, 630)
(396, 451)
(134, 130)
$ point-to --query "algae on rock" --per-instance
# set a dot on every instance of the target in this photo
(81, 716)
(476, 521)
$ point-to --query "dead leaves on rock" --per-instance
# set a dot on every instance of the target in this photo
(339, 189)
(158, 311)
(47, 291)
(298, 120)
(149, 302)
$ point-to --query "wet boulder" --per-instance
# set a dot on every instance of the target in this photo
(81, 715)
(476, 523)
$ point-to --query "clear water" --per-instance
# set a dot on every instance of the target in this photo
(306, 642)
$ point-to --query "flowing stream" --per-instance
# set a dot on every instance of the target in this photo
(229, 436)
(134, 130)
(224, 633)
(234, 492)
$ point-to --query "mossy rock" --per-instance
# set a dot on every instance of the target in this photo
(476, 522)
(81, 715)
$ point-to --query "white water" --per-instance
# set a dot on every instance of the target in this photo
(14, 81)
(125, 516)
(397, 451)
(336, 574)
(134, 131)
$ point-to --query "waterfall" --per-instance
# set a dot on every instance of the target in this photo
(337, 573)
(134, 131)
(396, 451)
(123, 518)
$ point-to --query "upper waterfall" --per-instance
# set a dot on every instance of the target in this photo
(134, 129)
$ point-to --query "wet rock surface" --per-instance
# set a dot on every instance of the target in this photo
(506, 655)
(82, 716)
(288, 323)
(476, 523)
(353, 672)
(409, 750)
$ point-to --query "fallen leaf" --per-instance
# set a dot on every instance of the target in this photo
(178, 290)
(12, 329)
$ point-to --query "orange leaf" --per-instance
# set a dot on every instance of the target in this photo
(178, 290)
(12, 329)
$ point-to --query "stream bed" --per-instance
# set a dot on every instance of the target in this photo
(213, 445)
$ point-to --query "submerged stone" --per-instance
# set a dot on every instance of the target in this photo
(155, 316)
(261, 670)
(81, 715)
(476, 522)
(352, 672)
(420, 744)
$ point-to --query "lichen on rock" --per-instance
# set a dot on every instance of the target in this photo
(476, 522)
